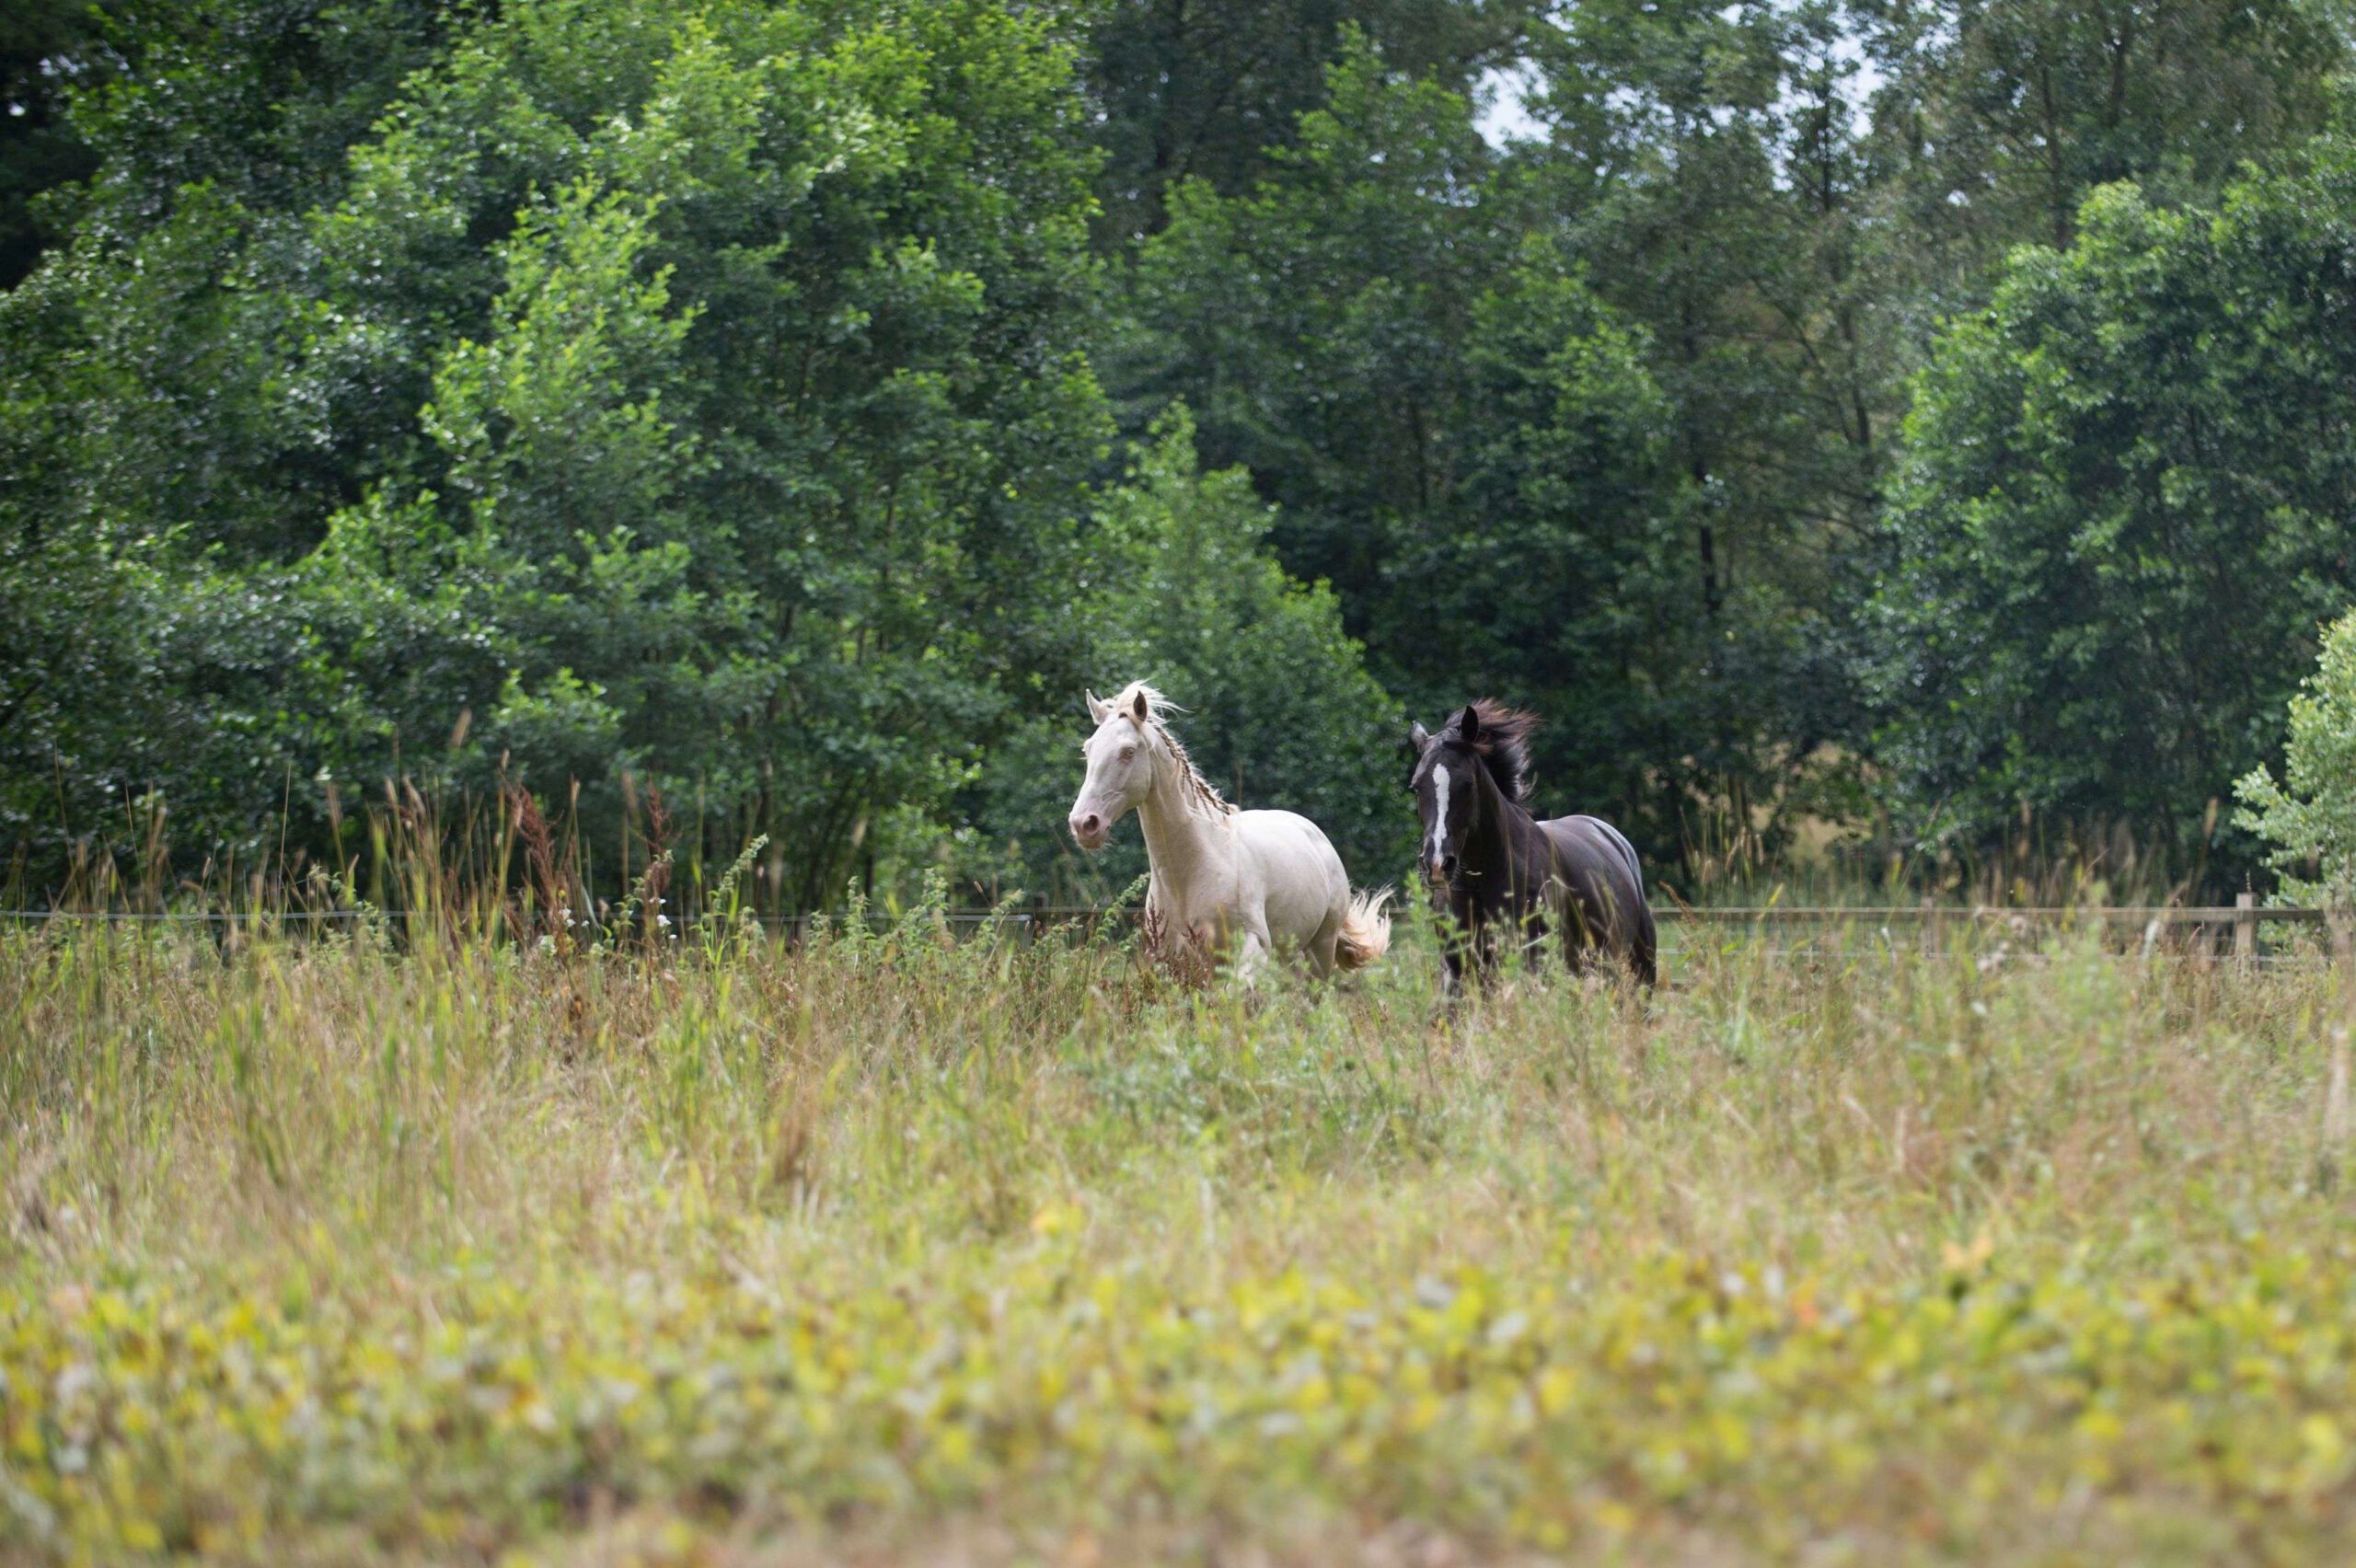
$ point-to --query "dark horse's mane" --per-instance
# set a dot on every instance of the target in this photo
(1503, 742)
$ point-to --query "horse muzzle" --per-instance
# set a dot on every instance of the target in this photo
(1089, 829)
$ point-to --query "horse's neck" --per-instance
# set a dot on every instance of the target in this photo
(1501, 820)
(1181, 842)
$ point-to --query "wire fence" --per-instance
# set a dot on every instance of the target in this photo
(1770, 914)
(1932, 925)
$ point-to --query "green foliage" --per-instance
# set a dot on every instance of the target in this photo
(1791, 198)
(1316, 323)
(1706, 163)
(1460, 437)
(2001, 115)
(693, 395)
(2124, 511)
(1285, 714)
(132, 679)
(38, 151)
(2309, 817)
(610, 395)
(1215, 89)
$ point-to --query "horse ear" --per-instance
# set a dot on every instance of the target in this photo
(1468, 723)
(1418, 737)
(1097, 708)
(1142, 709)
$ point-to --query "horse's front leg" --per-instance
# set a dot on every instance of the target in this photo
(1483, 953)
(1251, 954)
(1188, 951)
(1451, 972)
(1533, 937)
(1465, 949)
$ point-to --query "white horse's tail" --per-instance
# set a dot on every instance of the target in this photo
(1366, 931)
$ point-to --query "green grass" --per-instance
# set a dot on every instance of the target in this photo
(893, 1248)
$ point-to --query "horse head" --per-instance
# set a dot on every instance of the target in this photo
(1446, 777)
(1120, 755)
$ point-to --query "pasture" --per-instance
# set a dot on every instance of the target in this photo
(522, 525)
(897, 1249)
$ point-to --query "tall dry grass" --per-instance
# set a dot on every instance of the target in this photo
(442, 1244)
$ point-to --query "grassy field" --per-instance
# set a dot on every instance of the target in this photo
(895, 1250)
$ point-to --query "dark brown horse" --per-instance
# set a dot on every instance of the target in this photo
(1503, 874)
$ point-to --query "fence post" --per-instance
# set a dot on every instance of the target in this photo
(2246, 929)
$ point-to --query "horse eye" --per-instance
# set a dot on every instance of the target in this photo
(1128, 753)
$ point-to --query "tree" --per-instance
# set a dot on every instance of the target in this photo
(682, 398)
(1704, 163)
(1790, 226)
(2309, 818)
(1457, 434)
(1316, 323)
(1998, 116)
(605, 394)
(1212, 89)
(2127, 501)
(43, 45)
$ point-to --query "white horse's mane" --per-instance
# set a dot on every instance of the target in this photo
(1199, 789)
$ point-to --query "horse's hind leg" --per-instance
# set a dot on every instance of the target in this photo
(1319, 949)
(1644, 954)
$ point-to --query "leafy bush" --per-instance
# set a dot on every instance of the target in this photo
(2124, 510)
(2310, 815)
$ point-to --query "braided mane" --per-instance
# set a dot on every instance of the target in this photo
(1198, 789)
(1503, 744)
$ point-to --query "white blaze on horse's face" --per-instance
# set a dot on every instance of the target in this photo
(1444, 789)
(1120, 771)
(1436, 846)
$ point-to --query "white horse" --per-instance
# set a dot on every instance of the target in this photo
(1223, 880)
